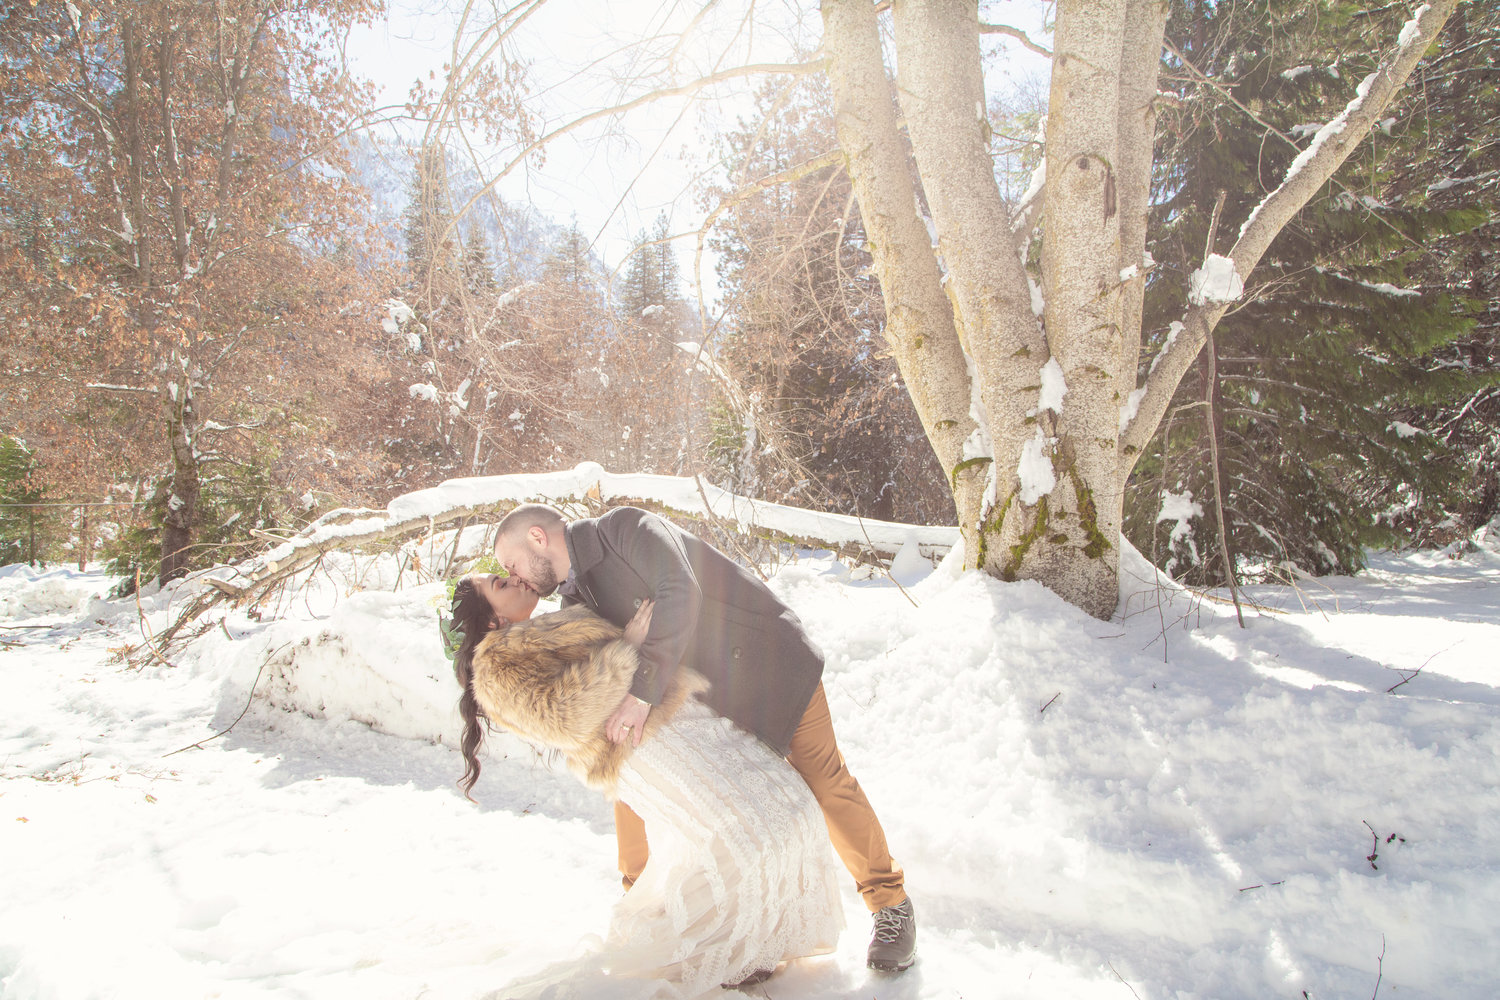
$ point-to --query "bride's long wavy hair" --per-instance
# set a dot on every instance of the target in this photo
(473, 616)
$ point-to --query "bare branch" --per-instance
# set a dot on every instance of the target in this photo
(684, 90)
(1017, 34)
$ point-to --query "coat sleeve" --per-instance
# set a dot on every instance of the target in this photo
(653, 550)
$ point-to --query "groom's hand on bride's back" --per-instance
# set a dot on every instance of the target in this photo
(628, 721)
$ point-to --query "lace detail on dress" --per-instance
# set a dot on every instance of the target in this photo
(741, 875)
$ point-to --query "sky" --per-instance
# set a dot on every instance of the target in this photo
(1161, 806)
(615, 178)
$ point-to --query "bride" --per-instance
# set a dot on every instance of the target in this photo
(740, 875)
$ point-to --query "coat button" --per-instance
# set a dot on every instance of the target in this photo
(735, 653)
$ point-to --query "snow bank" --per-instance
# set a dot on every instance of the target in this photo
(1163, 804)
(34, 593)
(375, 659)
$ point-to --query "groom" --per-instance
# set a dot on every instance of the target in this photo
(765, 673)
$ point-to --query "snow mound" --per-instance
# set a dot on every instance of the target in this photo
(29, 593)
(376, 659)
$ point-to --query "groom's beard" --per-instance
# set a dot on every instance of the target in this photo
(543, 577)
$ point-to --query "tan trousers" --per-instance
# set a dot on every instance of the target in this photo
(852, 826)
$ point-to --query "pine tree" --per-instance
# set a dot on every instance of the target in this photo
(1457, 169)
(830, 424)
(1313, 370)
(21, 505)
(426, 230)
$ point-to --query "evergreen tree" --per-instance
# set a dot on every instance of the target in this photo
(1307, 381)
(1458, 170)
(650, 294)
(825, 420)
(24, 524)
(426, 226)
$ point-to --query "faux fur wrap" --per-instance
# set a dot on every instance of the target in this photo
(557, 678)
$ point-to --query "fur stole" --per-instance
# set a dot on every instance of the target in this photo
(557, 678)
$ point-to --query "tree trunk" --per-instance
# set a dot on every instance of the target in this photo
(182, 502)
(1029, 393)
(919, 319)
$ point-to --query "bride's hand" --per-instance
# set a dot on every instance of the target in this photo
(640, 624)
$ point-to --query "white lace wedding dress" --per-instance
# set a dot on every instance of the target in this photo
(741, 874)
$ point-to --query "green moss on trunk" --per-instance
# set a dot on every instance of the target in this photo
(1018, 551)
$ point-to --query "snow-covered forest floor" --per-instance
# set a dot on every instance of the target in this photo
(1159, 806)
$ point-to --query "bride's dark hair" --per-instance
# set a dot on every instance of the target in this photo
(473, 617)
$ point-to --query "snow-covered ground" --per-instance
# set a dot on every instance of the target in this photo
(1159, 806)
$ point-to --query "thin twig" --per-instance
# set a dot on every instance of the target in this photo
(1122, 979)
(1049, 703)
(237, 718)
(1017, 34)
(150, 640)
(884, 569)
(1405, 678)
(1379, 967)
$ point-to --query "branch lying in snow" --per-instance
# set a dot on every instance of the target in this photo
(688, 502)
(1408, 677)
(1122, 979)
(1311, 170)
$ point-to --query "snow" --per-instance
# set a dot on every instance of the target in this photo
(515, 294)
(1132, 405)
(1035, 469)
(1404, 429)
(1386, 288)
(423, 390)
(1163, 805)
(1215, 281)
(1033, 190)
(1180, 508)
(1334, 127)
(1295, 71)
(1450, 182)
(1173, 330)
(1129, 273)
(1412, 30)
(1054, 388)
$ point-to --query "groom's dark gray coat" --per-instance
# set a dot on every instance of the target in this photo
(711, 614)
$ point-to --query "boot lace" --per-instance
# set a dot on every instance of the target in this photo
(890, 921)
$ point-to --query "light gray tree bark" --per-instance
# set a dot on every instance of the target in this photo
(986, 345)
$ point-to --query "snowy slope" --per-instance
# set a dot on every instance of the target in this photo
(1163, 805)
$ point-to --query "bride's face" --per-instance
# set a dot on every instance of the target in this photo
(508, 598)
